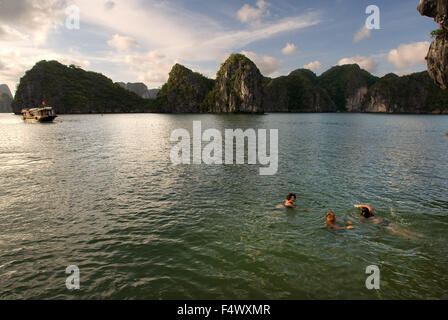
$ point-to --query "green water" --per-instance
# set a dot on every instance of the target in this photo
(101, 193)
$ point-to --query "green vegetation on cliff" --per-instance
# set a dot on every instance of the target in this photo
(5, 103)
(184, 91)
(414, 93)
(297, 92)
(238, 88)
(73, 90)
(343, 84)
(5, 99)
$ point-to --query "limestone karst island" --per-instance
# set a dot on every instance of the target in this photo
(239, 87)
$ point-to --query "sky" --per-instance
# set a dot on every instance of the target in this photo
(140, 40)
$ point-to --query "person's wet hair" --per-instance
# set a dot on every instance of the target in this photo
(365, 212)
(289, 197)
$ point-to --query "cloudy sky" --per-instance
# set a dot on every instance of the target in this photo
(140, 40)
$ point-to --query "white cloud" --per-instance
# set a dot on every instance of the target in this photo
(12, 66)
(222, 42)
(122, 43)
(15, 62)
(144, 59)
(36, 17)
(154, 76)
(408, 55)
(169, 31)
(151, 68)
(180, 33)
(404, 72)
(290, 48)
(364, 62)
(248, 14)
(69, 61)
(314, 65)
(267, 65)
(363, 33)
(154, 54)
(8, 33)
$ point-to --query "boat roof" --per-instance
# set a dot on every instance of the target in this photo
(38, 109)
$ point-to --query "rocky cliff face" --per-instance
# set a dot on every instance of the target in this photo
(184, 92)
(73, 90)
(437, 58)
(347, 86)
(140, 89)
(5, 99)
(391, 94)
(297, 92)
(5, 90)
(238, 88)
(153, 93)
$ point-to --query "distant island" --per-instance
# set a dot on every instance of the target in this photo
(239, 87)
(140, 89)
(5, 99)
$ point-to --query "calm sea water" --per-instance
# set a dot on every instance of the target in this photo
(101, 193)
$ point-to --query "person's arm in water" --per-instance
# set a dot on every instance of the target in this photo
(350, 225)
(337, 227)
(364, 206)
(289, 204)
(371, 217)
(331, 222)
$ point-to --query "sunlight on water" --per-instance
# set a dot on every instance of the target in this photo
(100, 192)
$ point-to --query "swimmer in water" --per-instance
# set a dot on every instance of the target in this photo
(331, 222)
(289, 202)
(290, 199)
(368, 214)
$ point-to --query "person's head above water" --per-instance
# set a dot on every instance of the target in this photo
(291, 197)
(331, 217)
(365, 212)
(289, 202)
(331, 222)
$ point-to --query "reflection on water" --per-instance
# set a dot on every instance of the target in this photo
(100, 192)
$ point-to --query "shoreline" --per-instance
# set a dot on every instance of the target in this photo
(252, 114)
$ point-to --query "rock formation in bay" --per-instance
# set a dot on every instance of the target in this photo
(140, 89)
(184, 91)
(347, 85)
(5, 99)
(415, 93)
(297, 92)
(73, 90)
(238, 88)
(153, 93)
(437, 58)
